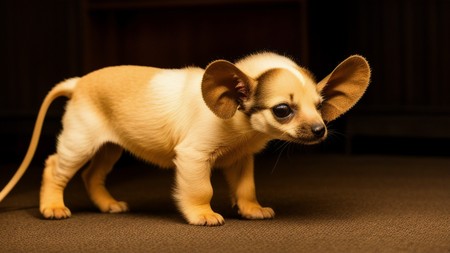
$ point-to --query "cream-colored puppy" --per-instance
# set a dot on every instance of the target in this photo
(192, 120)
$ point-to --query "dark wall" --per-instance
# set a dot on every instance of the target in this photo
(176, 35)
(40, 46)
(406, 109)
(406, 43)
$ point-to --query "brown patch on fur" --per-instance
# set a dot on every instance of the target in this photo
(225, 88)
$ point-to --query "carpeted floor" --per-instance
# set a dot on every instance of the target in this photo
(324, 203)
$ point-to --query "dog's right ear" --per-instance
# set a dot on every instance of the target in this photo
(225, 88)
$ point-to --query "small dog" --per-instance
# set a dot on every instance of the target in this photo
(189, 119)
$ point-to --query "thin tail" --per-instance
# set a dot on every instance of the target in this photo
(64, 88)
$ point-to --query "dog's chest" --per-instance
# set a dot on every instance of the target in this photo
(229, 154)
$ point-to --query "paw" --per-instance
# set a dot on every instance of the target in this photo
(207, 219)
(56, 213)
(118, 207)
(112, 206)
(253, 211)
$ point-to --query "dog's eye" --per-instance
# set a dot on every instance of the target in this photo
(282, 111)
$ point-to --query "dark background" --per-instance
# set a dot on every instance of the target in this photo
(406, 110)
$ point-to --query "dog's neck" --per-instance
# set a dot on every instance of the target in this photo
(244, 132)
(243, 141)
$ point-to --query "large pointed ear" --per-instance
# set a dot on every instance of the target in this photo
(344, 86)
(225, 88)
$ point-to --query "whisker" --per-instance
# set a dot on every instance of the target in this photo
(334, 134)
(283, 147)
(279, 145)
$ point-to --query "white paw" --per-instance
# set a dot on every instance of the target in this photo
(253, 211)
(207, 219)
(118, 207)
(57, 213)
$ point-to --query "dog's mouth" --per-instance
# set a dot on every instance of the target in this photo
(306, 140)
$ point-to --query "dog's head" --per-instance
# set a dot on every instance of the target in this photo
(284, 101)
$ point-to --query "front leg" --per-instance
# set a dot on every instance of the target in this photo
(194, 191)
(242, 185)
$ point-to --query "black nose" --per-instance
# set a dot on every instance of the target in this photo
(318, 130)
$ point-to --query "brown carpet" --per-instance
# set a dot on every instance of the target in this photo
(324, 203)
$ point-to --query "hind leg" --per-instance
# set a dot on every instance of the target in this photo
(80, 139)
(94, 179)
(51, 195)
(59, 169)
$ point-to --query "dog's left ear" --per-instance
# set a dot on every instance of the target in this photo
(344, 86)
(225, 88)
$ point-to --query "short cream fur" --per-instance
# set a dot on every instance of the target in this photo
(190, 119)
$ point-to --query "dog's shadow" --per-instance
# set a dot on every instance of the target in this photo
(302, 209)
(317, 209)
(149, 194)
